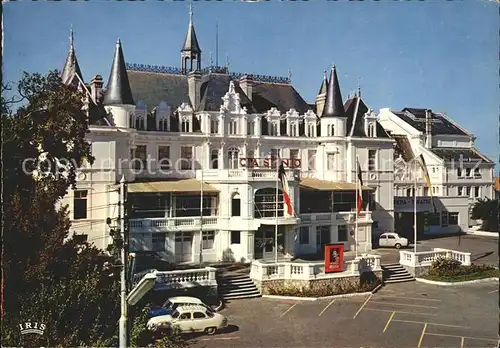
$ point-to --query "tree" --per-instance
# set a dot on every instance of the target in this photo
(487, 210)
(49, 277)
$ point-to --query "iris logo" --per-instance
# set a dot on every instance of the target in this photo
(32, 328)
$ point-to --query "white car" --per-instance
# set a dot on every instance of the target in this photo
(190, 318)
(392, 240)
(174, 302)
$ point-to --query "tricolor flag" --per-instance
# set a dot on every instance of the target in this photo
(360, 192)
(421, 162)
(286, 191)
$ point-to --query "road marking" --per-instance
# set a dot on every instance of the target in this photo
(411, 298)
(324, 309)
(388, 322)
(288, 310)
(462, 342)
(422, 336)
(434, 324)
(364, 304)
(404, 304)
(219, 338)
(463, 337)
(397, 312)
(493, 291)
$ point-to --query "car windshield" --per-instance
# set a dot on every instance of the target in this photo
(167, 304)
(175, 315)
(210, 314)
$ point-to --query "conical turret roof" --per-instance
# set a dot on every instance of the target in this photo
(334, 106)
(118, 91)
(324, 85)
(71, 67)
(191, 42)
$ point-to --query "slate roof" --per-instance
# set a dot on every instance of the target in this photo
(152, 88)
(355, 123)
(403, 148)
(440, 125)
(334, 107)
(455, 154)
(118, 90)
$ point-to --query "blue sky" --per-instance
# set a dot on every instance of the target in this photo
(433, 54)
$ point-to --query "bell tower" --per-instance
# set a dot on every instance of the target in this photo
(190, 52)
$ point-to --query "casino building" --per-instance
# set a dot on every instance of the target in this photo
(197, 147)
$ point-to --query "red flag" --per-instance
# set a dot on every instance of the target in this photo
(360, 192)
(286, 192)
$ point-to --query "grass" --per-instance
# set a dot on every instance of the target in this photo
(480, 274)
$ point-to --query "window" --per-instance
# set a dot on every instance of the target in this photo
(426, 191)
(311, 130)
(391, 236)
(311, 163)
(372, 159)
(214, 126)
(163, 125)
(235, 237)
(236, 205)
(208, 239)
(330, 158)
(342, 232)
(460, 190)
(232, 127)
(265, 203)
(467, 172)
(459, 172)
(477, 174)
(408, 192)
(468, 191)
(80, 204)
(185, 316)
(273, 128)
(186, 157)
(444, 219)
(185, 126)
(294, 154)
(214, 159)
(199, 315)
(371, 130)
(293, 130)
(139, 122)
(158, 241)
(331, 130)
(476, 191)
(164, 157)
(140, 160)
(432, 219)
(232, 156)
(453, 219)
(304, 235)
(250, 128)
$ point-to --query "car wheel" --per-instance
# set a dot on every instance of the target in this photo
(210, 330)
(397, 246)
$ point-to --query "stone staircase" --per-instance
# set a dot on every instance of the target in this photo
(236, 285)
(395, 273)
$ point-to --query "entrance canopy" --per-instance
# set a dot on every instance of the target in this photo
(181, 185)
(324, 185)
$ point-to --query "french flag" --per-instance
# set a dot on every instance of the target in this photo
(286, 191)
(360, 192)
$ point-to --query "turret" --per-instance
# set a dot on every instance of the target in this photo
(191, 50)
(71, 74)
(333, 119)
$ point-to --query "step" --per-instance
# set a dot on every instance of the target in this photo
(399, 280)
(238, 291)
(234, 276)
(234, 281)
(241, 296)
(236, 286)
(393, 267)
(397, 271)
(400, 276)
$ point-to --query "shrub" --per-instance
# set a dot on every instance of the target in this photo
(446, 267)
(339, 288)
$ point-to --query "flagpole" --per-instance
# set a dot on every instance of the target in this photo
(357, 209)
(276, 212)
(201, 217)
(415, 207)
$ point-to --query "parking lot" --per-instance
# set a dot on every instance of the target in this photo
(398, 315)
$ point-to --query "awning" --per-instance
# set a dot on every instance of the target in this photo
(323, 185)
(181, 185)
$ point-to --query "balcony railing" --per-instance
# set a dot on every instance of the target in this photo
(245, 174)
(172, 224)
(347, 217)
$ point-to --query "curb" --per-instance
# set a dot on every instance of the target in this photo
(482, 233)
(377, 288)
(476, 281)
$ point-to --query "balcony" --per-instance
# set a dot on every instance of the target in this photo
(336, 218)
(172, 224)
(245, 175)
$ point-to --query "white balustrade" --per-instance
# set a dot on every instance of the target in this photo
(171, 224)
(426, 258)
(261, 270)
(186, 278)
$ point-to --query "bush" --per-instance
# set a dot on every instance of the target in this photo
(328, 290)
(452, 270)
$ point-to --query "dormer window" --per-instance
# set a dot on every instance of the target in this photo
(293, 130)
(214, 126)
(139, 122)
(185, 126)
(232, 127)
(273, 128)
(163, 125)
(250, 128)
(311, 128)
(371, 130)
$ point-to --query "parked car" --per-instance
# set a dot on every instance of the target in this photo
(392, 240)
(189, 318)
(174, 302)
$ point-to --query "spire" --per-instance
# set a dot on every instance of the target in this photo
(334, 106)
(71, 67)
(324, 85)
(118, 91)
(191, 42)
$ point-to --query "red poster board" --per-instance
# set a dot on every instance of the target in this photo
(334, 258)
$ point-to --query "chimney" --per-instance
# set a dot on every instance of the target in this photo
(428, 133)
(96, 87)
(246, 83)
(194, 86)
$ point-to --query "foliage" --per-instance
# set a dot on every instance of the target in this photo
(140, 336)
(446, 269)
(339, 288)
(49, 276)
(488, 211)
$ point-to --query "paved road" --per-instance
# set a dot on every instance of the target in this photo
(399, 315)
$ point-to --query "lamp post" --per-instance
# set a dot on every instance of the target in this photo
(123, 280)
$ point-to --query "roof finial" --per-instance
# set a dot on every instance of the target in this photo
(333, 66)
(227, 62)
(71, 37)
(359, 87)
(190, 11)
(289, 75)
(211, 63)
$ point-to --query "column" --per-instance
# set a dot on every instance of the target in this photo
(221, 155)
